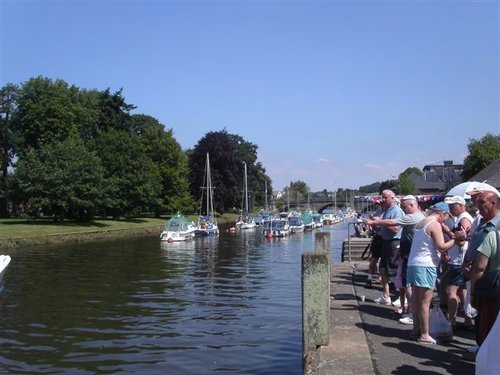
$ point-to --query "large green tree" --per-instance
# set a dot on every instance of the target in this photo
(257, 179)
(60, 179)
(225, 169)
(482, 152)
(8, 104)
(47, 111)
(170, 161)
(405, 184)
(132, 180)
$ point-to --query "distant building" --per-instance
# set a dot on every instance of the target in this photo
(490, 174)
(438, 178)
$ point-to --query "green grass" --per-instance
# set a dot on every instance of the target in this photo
(23, 228)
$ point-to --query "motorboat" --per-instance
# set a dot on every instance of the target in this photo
(4, 262)
(178, 228)
(295, 222)
(276, 227)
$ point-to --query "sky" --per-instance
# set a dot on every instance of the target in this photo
(338, 94)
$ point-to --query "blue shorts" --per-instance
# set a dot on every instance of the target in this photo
(455, 275)
(423, 277)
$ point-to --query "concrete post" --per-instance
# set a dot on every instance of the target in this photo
(315, 300)
(322, 241)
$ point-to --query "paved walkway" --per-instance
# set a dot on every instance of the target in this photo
(366, 338)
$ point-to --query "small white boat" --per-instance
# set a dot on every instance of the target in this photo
(178, 228)
(276, 227)
(246, 222)
(295, 222)
(317, 219)
(4, 262)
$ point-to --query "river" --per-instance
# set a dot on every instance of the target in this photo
(226, 305)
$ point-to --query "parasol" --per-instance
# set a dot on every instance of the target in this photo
(462, 188)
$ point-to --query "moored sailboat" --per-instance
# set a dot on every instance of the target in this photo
(207, 222)
(245, 221)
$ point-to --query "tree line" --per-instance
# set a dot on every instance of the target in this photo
(73, 153)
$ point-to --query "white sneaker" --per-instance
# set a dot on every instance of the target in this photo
(397, 303)
(407, 319)
(383, 301)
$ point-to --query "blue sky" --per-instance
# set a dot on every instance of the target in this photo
(334, 93)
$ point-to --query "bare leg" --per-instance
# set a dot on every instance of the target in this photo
(452, 299)
(426, 297)
(385, 282)
(462, 293)
(415, 303)
(408, 292)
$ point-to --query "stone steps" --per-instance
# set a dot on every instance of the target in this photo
(358, 246)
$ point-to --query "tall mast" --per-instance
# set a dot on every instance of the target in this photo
(265, 197)
(246, 189)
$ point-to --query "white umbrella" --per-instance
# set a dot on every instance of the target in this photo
(462, 188)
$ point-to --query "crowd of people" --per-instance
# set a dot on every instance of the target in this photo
(444, 251)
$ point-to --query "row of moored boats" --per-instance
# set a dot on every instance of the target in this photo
(179, 228)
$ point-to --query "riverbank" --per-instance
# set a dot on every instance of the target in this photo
(26, 232)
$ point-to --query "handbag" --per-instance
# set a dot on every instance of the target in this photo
(488, 286)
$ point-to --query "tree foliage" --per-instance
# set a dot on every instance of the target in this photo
(170, 161)
(76, 153)
(389, 184)
(8, 103)
(46, 112)
(298, 191)
(225, 169)
(132, 181)
(61, 179)
(482, 152)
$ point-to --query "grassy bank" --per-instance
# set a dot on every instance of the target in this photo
(26, 232)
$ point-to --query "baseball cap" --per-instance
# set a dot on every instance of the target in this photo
(408, 197)
(441, 206)
(455, 199)
(481, 188)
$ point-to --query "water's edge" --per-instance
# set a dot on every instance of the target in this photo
(9, 243)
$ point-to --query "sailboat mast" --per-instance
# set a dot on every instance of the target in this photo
(246, 189)
(265, 197)
(207, 166)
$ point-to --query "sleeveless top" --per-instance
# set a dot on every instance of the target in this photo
(423, 251)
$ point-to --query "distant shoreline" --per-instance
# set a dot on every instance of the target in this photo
(90, 235)
(9, 243)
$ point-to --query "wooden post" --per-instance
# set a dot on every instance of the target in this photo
(315, 300)
(322, 241)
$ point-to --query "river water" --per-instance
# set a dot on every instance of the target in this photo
(226, 305)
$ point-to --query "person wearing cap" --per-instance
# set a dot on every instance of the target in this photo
(479, 254)
(455, 283)
(427, 247)
(391, 235)
(412, 217)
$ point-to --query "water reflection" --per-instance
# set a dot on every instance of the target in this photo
(227, 304)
